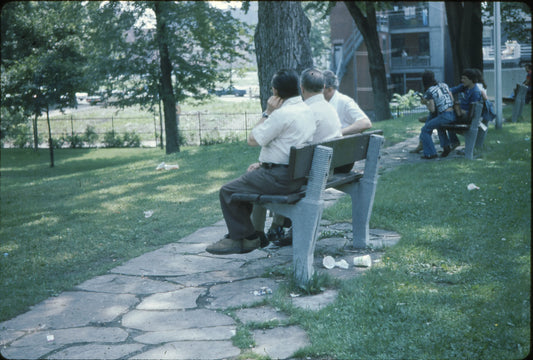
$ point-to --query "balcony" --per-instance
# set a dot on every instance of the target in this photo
(410, 62)
(409, 17)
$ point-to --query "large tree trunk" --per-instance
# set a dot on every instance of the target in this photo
(167, 93)
(281, 41)
(466, 36)
(368, 28)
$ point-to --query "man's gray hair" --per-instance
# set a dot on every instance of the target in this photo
(312, 80)
(331, 79)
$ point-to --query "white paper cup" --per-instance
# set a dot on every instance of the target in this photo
(363, 261)
(328, 262)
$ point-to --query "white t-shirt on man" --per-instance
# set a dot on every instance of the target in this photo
(328, 125)
(348, 110)
(292, 124)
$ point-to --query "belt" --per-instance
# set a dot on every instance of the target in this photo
(271, 165)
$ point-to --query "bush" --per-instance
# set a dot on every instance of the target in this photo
(131, 139)
(21, 135)
(90, 136)
(112, 140)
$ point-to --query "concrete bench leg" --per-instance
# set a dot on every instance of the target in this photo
(470, 141)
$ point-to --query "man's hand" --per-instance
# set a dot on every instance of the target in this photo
(273, 103)
(254, 166)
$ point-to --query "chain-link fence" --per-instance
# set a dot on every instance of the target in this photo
(195, 128)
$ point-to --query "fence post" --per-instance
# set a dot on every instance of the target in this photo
(199, 129)
(245, 126)
(72, 126)
(112, 126)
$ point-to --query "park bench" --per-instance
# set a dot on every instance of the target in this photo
(473, 129)
(317, 164)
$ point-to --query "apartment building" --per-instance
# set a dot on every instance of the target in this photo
(414, 38)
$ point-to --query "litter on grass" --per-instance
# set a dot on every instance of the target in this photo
(263, 291)
(329, 263)
(363, 261)
(164, 166)
(148, 213)
(472, 186)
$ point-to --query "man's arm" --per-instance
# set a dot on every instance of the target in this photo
(274, 102)
(357, 127)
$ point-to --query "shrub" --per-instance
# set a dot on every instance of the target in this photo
(90, 136)
(112, 140)
(131, 139)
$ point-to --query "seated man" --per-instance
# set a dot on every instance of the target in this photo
(287, 122)
(328, 126)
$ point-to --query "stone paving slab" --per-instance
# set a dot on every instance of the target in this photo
(240, 293)
(187, 350)
(40, 343)
(211, 333)
(72, 309)
(261, 315)
(175, 319)
(175, 300)
(119, 284)
(96, 351)
(280, 342)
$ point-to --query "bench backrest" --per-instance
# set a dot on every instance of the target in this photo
(346, 150)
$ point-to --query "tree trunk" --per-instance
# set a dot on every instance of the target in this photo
(35, 133)
(465, 29)
(281, 41)
(50, 140)
(167, 92)
(368, 28)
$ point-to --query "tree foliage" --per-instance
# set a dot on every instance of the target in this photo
(42, 60)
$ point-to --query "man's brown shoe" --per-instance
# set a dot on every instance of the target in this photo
(225, 246)
(250, 245)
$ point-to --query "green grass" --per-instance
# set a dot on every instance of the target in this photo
(63, 225)
(457, 285)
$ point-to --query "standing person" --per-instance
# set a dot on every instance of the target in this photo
(328, 126)
(287, 122)
(353, 119)
(439, 100)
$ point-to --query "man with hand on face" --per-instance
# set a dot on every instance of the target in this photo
(328, 126)
(287, 122)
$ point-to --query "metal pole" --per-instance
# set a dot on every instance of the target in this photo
(498, 65)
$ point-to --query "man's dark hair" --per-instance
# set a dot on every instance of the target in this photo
(312, 80)
(330, 79)
(428, 79)
(471, 74)
(287, 84)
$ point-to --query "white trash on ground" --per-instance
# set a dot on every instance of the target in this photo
(471, 187)
(363, 261)
(329, 263)
(164, 166)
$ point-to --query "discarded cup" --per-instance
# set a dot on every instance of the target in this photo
(164, 166)
(471, 187)
(363, 261)
(328, 262)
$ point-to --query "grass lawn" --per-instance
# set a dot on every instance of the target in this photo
(457, 285)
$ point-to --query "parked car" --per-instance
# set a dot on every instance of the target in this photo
(230, 90)
(95, 99)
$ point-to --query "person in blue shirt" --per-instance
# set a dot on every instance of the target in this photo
(465, 94)
(439, 101)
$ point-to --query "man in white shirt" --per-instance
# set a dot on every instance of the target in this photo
(353, 119)
(328, 126)
(287, 122)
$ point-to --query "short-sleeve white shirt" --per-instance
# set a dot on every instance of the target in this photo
(348, 110)
(328, 125)
(292, 124)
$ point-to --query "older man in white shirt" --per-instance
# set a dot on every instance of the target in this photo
(287, 122)
(353, 119)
